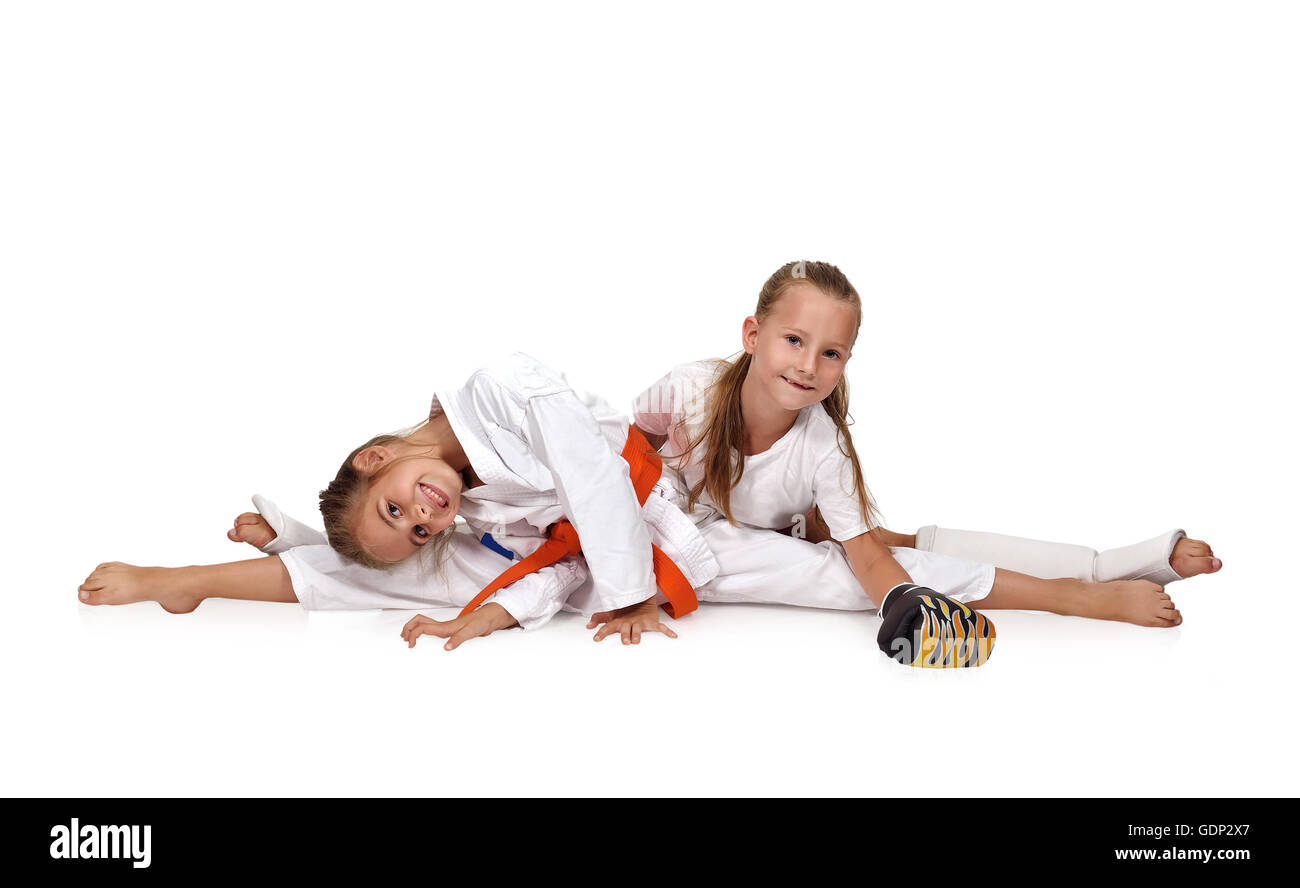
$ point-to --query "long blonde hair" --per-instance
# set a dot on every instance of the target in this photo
(339, 500)
(722, 432)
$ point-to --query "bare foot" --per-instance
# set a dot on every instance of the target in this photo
(1192, 557)
(116, 583)
(1131, 601)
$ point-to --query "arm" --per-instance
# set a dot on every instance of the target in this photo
(325, 580)
(839, 510)
(874, 566)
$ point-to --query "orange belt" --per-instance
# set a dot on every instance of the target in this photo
(644, 467)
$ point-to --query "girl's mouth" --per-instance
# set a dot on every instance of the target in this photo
(436, 497)
(802, 388)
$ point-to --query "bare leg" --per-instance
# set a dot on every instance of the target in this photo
(1131, 601)
(181, 589)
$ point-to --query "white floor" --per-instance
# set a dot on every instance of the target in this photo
(248, 699)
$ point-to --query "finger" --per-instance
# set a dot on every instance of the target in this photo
(605, 630)
(444, 629)
(636, 634)
(247, 518)
(461, 636)
(415, 627)
(233, 535)
(667, 631)
(438, 630)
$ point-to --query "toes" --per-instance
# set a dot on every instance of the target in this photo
(1169, 619)
(1203, 564)
(1208, 564)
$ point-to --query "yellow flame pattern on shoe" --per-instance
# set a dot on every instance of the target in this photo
(953, 636)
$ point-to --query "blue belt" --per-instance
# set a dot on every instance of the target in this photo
(497, 547)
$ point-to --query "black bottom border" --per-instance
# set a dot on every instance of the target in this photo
(939, 838)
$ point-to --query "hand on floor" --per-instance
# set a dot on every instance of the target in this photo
(484, 621)
(630, 622)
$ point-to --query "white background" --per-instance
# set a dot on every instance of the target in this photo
(240, 238)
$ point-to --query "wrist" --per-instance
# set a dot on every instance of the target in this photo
(501, 618)
(900, 588)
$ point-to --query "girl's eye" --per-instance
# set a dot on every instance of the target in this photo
(793, 340)
(394, 511)
(420, 531)
(832, 354)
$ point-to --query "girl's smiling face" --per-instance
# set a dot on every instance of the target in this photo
(800, 347)
(411, 501)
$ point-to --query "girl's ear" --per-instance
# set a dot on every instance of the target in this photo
(749, 334)
(371, 458)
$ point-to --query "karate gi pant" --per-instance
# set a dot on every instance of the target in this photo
(764, 567)
(754, 566)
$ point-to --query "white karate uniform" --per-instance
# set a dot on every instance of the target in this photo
(544, 451)
(776, 490)
(806, 466)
